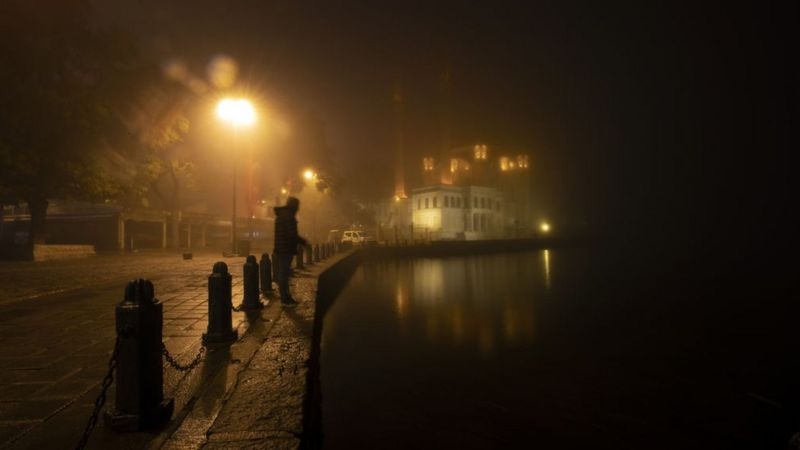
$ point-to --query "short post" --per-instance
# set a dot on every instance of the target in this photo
(139, 402)
(299, 258)
(252, 299)
(265, 268)
(274, 266)
(309, 258)
(219, 329)
(316, 252)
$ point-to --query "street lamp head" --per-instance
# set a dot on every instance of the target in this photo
(238, 112)
(309, 174)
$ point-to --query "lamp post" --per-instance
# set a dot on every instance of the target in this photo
(238, 113)
(311, 176)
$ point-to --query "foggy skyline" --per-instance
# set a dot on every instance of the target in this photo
(645, 118)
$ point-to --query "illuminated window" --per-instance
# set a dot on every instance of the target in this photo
(522, 161)
(504, 163)
(427, 164)
(479, 151)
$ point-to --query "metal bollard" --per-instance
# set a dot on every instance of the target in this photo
(265, 268)
(299, 257)
(252, 299)
(219, 329)
(139, 402)
(316, 252)
(274, 266)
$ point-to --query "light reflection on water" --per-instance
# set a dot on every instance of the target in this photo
(478, 301)
(401, 327)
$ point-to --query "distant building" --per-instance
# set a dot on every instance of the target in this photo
(471, 194)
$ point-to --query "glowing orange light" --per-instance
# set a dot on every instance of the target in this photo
(238, 112)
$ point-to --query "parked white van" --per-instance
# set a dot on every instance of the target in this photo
(354, 237)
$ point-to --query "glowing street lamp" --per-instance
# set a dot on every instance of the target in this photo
(238, 113)
(545, 227)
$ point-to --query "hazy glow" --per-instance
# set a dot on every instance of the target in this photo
(480, 151)
(547, 269)
(222, 71)
(309, 174)
(428, 218)
(545, 227)
(427, 164)
(401, 301)
(238, 112)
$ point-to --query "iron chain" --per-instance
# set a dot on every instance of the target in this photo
(175, 365)
(101, 399)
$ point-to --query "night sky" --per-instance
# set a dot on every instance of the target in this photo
(667, 123)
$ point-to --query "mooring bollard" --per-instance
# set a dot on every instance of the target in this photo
(265, 268)
(139, 402)
(274, 266)
(220, 330)
(316, 252)
(252, 298)
(299, 258)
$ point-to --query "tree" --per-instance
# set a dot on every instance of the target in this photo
(63, 80)
(165, 167)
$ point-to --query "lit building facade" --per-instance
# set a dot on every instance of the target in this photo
(472, 195)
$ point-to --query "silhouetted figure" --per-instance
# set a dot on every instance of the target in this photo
(286, 243)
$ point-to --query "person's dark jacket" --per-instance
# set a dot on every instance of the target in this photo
(286, 237)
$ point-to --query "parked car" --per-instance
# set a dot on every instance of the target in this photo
(353, 237)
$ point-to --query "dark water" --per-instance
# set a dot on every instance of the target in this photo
(565, 348)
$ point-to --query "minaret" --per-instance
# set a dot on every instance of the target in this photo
(399, 160)
(445, 83)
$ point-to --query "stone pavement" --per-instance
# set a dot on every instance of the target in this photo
(57, 333)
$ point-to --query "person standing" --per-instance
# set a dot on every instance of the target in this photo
(286, 242)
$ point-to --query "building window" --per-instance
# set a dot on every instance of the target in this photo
(426, 202)
(435, 202)
(446, 201)
(419, 203)
(474, 202)
(475, 222)
(483, 202)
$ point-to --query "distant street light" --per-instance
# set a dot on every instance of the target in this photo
(545, 227)
(238, 113)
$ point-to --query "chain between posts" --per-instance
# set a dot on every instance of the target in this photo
(101, 399)
(175, 365)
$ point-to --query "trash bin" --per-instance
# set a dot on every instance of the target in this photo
(243, 247)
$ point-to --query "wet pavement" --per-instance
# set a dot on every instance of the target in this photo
(57, 334)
